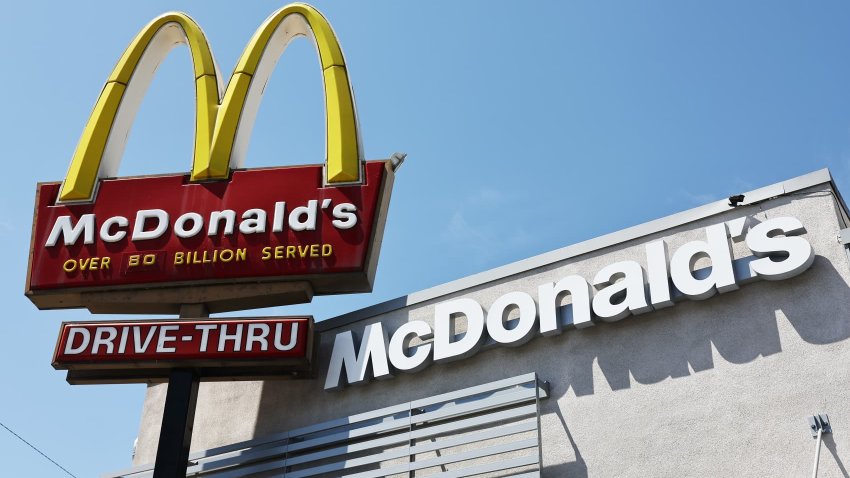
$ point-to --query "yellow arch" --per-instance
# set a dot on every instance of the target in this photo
(245, 89)
(102, 143)
(223, 126)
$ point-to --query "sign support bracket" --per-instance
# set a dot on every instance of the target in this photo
(178, 414)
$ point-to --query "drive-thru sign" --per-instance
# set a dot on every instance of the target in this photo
(219, 349)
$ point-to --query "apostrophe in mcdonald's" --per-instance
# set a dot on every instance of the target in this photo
(224, 241)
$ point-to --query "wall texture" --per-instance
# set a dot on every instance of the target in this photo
(718, 387)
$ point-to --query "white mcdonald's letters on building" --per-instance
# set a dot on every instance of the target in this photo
(616, 291)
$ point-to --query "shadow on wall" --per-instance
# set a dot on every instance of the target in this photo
(573, 469)
(677, 341)
(830, 445)
(742, 326)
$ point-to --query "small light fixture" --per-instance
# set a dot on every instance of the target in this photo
(396, 159)
(736, 200)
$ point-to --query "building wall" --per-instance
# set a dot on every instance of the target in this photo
(718, 387)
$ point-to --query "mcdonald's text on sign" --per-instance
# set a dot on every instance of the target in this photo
(221, 235)
(129, 351)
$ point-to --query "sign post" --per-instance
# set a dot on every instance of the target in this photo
(220, 238)
(178, 417)
(178, 414)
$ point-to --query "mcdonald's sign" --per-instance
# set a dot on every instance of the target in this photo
(220, 235)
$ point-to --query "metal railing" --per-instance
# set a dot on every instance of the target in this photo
(490, 429)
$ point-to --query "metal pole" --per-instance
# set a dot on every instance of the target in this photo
(178, 414)
(817, 453)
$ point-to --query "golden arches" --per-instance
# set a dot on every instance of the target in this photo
(250, 75)
(223, 125)
(102, 143)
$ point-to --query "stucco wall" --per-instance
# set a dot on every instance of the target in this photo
(718, 387)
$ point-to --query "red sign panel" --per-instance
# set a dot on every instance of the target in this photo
(118, 351)
(261, 225)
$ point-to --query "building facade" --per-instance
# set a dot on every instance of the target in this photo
(716, 377)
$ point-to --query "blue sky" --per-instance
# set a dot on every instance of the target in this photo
(529, 126)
